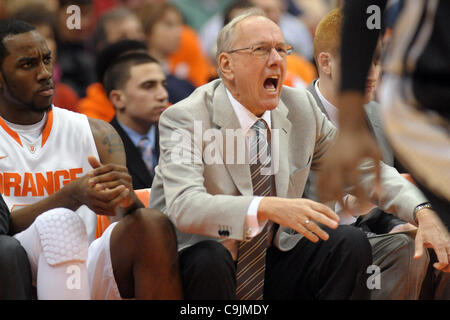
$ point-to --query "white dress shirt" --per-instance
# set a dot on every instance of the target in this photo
(247, 120)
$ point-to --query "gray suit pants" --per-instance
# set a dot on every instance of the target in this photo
(401, 276)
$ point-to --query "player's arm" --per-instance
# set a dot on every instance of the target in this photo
(357, 48)
(110, 171)
(73, 195)
(83, 192)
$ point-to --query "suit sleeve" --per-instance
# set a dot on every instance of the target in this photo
(398, 196)
(4, 217)
(188, 204)
(358, 43)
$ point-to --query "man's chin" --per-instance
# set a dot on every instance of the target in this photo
(40, 109)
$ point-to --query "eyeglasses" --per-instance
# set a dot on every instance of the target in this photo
(264, 49)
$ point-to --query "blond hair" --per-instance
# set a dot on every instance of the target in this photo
(327, 37)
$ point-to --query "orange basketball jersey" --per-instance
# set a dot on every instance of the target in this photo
(33, 170)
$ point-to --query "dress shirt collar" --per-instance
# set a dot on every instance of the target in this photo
(246, 118)
(135, 137)
(332, 111)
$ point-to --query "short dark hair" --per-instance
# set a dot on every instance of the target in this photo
(118, 73)
(111, 52)
(10, 27)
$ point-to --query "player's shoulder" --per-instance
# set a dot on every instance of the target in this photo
(64, 115)
(101, 129)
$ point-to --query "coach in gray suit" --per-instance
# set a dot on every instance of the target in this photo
(202, 185)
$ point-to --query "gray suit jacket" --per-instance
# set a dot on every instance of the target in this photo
(209, 200)
(373, 114)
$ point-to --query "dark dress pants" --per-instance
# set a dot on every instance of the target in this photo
(15, 272)
(332, 269)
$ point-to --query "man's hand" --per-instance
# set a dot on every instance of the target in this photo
(299, 215)
(357, 208)
(406, 227)
(432, 233)
(353, 145)
(111, 177)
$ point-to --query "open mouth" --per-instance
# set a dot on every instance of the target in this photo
(271, 83)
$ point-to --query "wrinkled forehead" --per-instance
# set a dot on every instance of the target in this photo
(257, 29)
(25, 44)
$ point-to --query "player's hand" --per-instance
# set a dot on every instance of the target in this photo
(104, 201)
(432, 233)
(354, 144)
(111, 176)
(301, 215)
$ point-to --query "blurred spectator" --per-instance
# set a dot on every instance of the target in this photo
(10, 7)
(77, 64)
(312, 11)
(294, 31)
(43, 20)
(173, 44)
(197, 12)
(112, 26)
(208, 34)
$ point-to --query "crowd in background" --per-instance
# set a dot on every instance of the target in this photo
(102, 55)
(181, 35)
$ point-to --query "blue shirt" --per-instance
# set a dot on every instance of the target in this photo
(135, 137)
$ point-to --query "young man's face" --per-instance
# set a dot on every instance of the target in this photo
(371, 80)
(26, 73)
(145, 95)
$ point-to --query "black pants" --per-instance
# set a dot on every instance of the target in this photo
(15, 272)
(332, 269)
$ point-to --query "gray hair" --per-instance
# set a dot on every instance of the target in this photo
(225, 39)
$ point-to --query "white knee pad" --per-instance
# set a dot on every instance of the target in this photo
(63, 236)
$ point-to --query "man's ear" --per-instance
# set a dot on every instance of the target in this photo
(324, 62)
(226, 66)
(118, 99)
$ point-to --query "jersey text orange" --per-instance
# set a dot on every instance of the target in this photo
(34, 184)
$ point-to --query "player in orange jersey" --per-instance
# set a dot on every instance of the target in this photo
(55, 229)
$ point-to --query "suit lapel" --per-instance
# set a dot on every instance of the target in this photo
(224, 117)
(371, 120)
(312, 89)
(135, 164)
(281, 128)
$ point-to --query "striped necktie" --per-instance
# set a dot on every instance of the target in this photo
(252, 254)
(147, 153)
